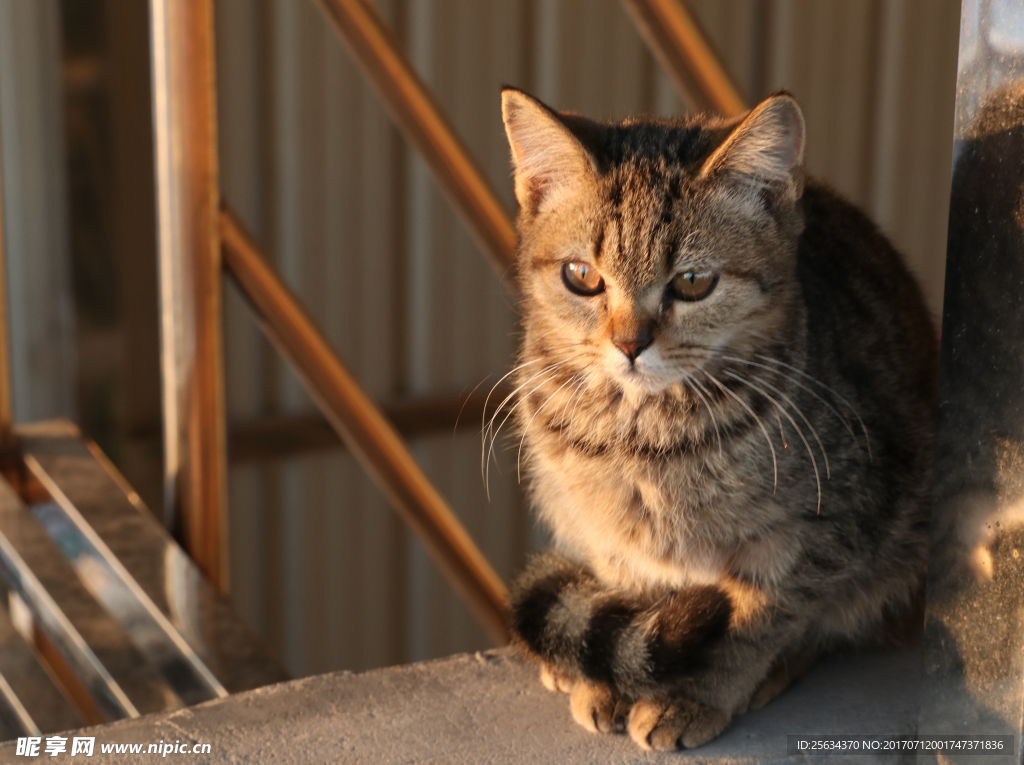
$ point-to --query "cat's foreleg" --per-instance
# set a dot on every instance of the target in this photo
(739, 672)
(788, 668)
(609, 648)
(681, 662)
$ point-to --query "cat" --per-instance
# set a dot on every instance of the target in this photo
(726, 392)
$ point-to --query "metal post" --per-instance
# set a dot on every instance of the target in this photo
(973, 664)
(6, 406)
(365, 431)
(185, 125)
(425, 127)
(678, 43)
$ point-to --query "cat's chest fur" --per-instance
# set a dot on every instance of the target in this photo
(649, 524)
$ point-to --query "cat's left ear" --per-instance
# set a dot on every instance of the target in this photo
(763, 158)
(547, 155)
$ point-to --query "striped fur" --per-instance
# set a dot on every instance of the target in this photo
(733, 483)
(635, 646)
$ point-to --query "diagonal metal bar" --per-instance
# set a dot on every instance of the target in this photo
(14, 712)
(425, 127)
(285, 436)
(367, 433)
(676, 39)
(18, 533)
(133, 567)
(106, 577)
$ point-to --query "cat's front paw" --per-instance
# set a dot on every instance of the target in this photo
(597, 709)
(676, 724)
(555, 679)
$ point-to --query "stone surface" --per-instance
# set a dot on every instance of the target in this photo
(58, 455)
(491, 708)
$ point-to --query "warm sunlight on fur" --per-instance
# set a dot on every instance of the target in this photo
(725, 407)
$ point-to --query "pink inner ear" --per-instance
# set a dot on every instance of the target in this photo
(794, 134)
(537, 185)
(767, 145)
(545, 152)
(798, 146)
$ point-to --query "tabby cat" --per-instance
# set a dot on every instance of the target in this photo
(726, 393)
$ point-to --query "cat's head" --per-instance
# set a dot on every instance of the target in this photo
(648, 247)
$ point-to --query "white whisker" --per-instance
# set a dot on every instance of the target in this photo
(579, 398)
(778, 406)
(816, 381)
(565, 407)
(846, 423)
(693, 385)
(775, 462)
(495, 432)
(788, 400)
(484, 425)
(519, 455)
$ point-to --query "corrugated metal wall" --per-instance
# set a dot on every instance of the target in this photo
(42, 322)
(353, 221)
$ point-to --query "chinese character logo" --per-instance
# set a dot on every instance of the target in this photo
(83, 745)
(28, 747)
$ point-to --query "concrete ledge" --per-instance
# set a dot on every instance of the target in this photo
(491, 708)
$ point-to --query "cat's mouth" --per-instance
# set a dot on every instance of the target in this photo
(648, 373)
(652, 374)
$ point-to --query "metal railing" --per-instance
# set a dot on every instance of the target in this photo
(193, 239)
(112, 620)
(425, 127)
(102, 615)
(6, 417)
(366, 432)
(191, 332)
(675, 38)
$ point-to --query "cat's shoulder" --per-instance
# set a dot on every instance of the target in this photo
(836, 231)
(823, 206)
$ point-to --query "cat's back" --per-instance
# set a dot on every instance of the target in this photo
(867, 320)
(871, 340)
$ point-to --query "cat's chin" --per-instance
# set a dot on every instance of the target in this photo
(638, 384)
(648, 377)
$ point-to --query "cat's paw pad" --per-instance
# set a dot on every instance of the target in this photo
(678, 724)
(597, 709)
(555, 680)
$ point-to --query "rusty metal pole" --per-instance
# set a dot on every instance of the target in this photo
(366, 432)
(6, 401)
(425, 127)
(675, 38)
(185, 127)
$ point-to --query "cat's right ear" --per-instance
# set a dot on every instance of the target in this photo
(762, 160)
(548, 159)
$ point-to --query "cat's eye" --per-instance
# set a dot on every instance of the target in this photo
(693, 285)
(582, 278)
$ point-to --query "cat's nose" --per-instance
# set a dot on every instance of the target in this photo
(634, 346)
